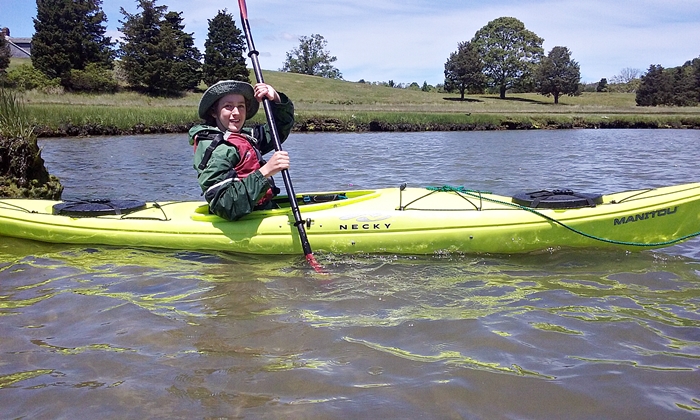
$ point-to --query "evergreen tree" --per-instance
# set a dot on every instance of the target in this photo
(683, 90)
(311, 58)
(186, 69)
(602, 85)
(558, 74)
(5, 54)
(158, 57)
(464, 70)
(69, 35)
(696, 69)
(144, 64)
(678, 86)
(655, 88)
(509, 51)
(223, 51)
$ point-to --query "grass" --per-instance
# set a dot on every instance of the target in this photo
(13, 116)
(16, 62)
(358, 104)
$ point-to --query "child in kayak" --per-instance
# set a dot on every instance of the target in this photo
(234, 178)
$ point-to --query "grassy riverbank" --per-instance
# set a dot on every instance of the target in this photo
(334, 105)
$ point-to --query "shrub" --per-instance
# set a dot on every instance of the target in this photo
(93, 79)
(26, 77)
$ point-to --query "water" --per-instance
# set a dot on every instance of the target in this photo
(99, 332)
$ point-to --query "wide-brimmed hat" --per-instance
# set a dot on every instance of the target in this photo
(220, 89)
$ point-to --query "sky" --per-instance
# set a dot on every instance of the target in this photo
(410, 40)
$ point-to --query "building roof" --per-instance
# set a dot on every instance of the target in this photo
(19, 40)
(20, 47)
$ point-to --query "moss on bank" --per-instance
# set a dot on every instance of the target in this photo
(23, 173)
(22, 170)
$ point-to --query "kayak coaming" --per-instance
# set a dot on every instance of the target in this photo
(392, 220)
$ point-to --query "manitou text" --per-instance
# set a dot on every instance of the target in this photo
(645, 216)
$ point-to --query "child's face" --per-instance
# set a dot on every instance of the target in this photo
(230, 112)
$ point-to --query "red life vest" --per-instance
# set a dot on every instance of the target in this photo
(250, 161)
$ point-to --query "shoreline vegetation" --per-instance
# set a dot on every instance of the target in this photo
(322, 105)
(328, 105)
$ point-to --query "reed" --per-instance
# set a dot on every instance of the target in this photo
(13, 117)
(120, 117)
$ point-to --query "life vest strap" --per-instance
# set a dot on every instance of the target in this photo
(218, 139)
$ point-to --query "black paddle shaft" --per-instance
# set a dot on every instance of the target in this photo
(253, 54)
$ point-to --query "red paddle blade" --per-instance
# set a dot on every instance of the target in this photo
(313, 263)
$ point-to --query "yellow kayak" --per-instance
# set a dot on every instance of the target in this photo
(392, 220)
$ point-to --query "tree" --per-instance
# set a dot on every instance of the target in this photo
(602, 85)
(145, 63)
(696, 65)
(158, 57)
(311, 58)
(626, 81)
(5, 54)
(223, 51)
(464, 70)
(187, 65)
(626, 75)
(677, 86)
(509, 52)
(655, 88)
(69, 35)
(558, 74)
(683, 90)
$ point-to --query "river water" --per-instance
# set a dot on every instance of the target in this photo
(99, 332)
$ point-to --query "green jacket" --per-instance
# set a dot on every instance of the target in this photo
(233, 199)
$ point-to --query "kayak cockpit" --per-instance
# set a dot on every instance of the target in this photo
(309, 201)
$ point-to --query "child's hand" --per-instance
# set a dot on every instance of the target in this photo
(278, 162)
(263, 90)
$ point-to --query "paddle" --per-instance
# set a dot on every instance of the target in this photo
(253, 54)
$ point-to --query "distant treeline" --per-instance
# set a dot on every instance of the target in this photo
(677, 86)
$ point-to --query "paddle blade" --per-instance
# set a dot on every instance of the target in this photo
(314, 264)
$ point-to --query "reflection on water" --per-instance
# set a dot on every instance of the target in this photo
(100, 332)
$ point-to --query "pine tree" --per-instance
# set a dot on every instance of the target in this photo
(696, 65)
(142, 66)
(69, 35)
(602, 85)
(683, 86)
(223, 51)
(158, 57)
(5, 54)
(656, 87)
(186, 69)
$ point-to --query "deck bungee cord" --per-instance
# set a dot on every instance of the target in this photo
(70, 208)
(463, 192)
